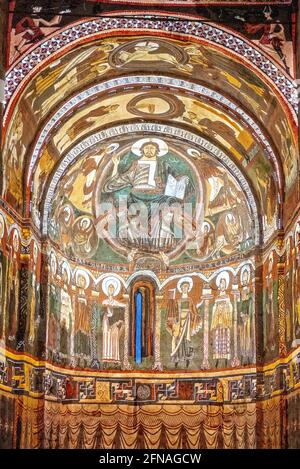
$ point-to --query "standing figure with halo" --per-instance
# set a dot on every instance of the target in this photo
(112, 331)
(183, 322)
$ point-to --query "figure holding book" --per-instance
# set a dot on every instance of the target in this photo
(154, 180)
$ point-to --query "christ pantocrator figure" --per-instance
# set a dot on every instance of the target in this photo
(153, 184)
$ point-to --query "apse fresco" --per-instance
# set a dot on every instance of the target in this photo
(150, 196)
(200, 321)
(211, 123)
(149, 226)
(118, 55)
(161, 105)
(151, 204)
(78, 298)
(271, 28)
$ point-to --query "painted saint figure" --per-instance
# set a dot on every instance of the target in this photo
(53, 307)
(34, 293)
(53, 324)
(66, 312)
(246, 305)
(14, 152)
(65, 219)
(221, 322)
(14, 287)
(183, 325)
(207, 240)
(84, 236)
(267, 192)
(111, 331)
(83, 316)
(269, 306)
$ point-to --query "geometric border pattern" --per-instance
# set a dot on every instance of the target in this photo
(22, 375)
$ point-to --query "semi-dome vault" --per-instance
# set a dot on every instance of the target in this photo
(149, 220)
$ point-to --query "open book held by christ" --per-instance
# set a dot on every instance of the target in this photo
(176, 187)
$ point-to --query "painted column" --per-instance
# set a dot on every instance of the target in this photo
(51, 269)
(72, 329)
(126, 365)
(258, 310)
(281, 311)
(157, 360)
(206, 297)
(236, 297)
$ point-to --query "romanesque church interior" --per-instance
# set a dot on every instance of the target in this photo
(149, 224)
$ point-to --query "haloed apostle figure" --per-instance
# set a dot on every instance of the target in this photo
(14, 287)
(269, 306)
(54, 307)
(83, 316)
(66, 312)
(221, 322)
(33, 322)
(183, 322)
(112, 321)
(246, 306)
(154, 177)
(207, 240)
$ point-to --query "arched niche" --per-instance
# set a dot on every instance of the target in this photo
(142, 319)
